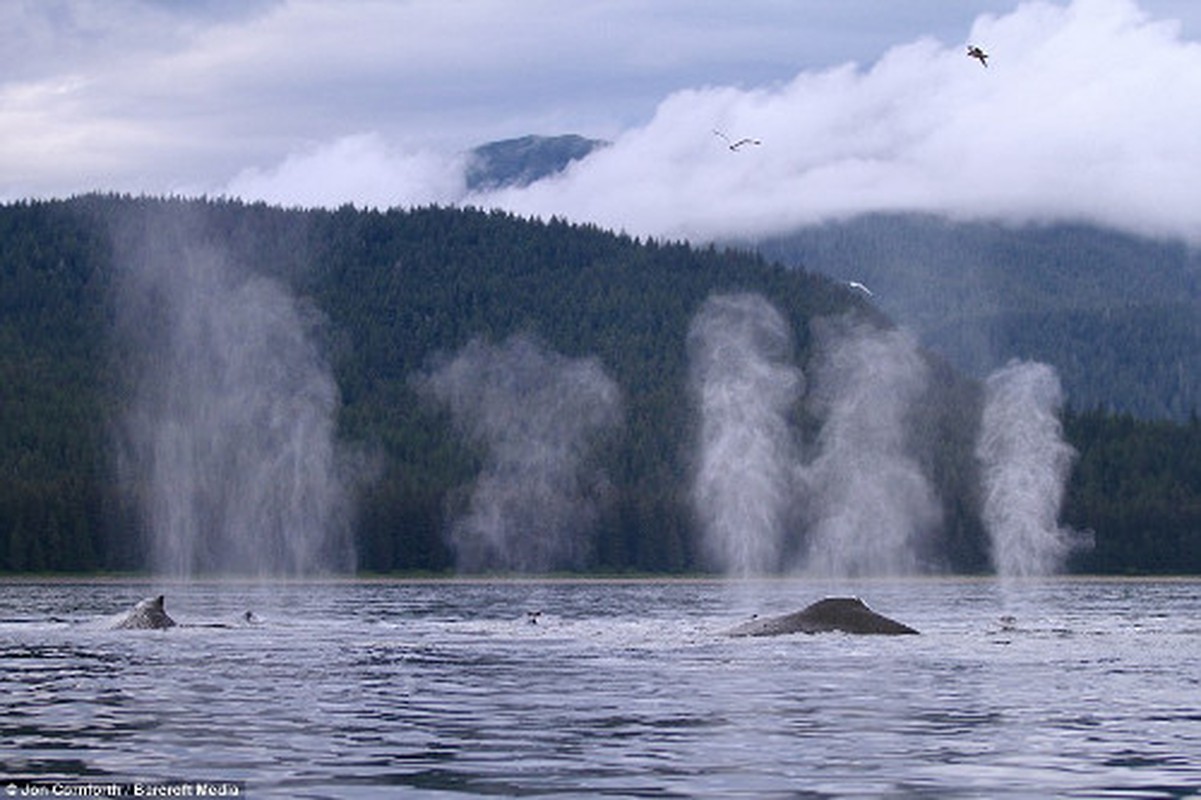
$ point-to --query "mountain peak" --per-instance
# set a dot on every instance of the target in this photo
(524, 160)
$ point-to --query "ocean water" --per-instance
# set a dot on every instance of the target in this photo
(619, 689)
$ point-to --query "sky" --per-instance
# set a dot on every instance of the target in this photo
(1088, 109)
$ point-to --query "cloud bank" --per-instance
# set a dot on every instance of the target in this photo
(151, 96)
(1086, 111)
(361, 169)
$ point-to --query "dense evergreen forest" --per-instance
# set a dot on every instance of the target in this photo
(1117, 315)
(395, 290)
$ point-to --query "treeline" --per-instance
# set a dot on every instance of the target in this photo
(397, 288)
(1137, 484)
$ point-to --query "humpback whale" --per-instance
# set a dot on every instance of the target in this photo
(845, 614)
(149, 614)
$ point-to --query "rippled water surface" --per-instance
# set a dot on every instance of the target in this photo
(620, 688)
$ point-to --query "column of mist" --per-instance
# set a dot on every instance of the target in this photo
(228, 439)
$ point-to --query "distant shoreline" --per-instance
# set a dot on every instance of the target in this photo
(553, 579)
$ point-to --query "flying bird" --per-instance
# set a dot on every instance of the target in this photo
(974, 51)
(735, 146)
(860, 287)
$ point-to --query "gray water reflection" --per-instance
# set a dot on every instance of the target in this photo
(623, 689)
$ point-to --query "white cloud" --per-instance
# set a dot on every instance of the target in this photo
(1086, 111)
(168, 95)
(359, 169)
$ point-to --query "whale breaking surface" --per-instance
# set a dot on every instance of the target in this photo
(149, 614)
(830, 615)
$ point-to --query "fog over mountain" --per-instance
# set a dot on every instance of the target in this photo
(1083, 122)
(522, 161)
(1086, 112)
(1118, 315)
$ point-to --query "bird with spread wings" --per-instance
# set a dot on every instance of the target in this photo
(736, 145)
(977, 52)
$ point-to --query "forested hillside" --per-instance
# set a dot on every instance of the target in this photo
(396, 291)
(1138, 485)
(1118, 316)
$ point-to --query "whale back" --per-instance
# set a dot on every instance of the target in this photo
(149, 614)
(842, 614)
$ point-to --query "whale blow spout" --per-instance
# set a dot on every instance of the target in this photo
(843, 614)
(149, 614)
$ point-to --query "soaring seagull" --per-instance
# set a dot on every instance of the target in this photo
(738, 144)
(974, 51)
(859, 286)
